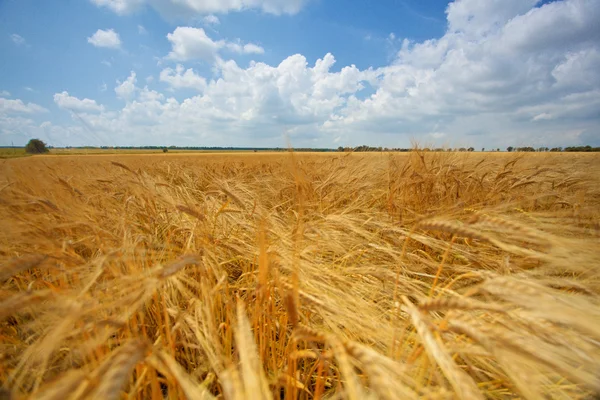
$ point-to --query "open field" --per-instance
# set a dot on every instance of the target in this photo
(6, 152)
(270, 275)
(97, 151)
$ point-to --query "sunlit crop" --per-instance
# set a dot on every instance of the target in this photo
(254, 276)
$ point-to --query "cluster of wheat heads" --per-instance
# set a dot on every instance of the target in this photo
(413, 276)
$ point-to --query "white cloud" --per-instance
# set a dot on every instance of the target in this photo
(542, 116)
(68, 102)
(142, 30)
(475, 18)
(147, 95)
(235, 47)
(18, 130)
(103, 87)
(489, 75)
(178, 8)
(127, 88)
(254, 105)
(189, 43)
(4, 93)
(181, 78)
(249, 48)
(211, 20)
(120, 7)
(8, 106)
(105, 38)
(17, 39)
(107, 63)
(15, 129)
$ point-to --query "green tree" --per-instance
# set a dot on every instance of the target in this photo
(510, 148)
(36, 146)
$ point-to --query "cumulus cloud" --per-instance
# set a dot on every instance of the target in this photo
(17, 39)
(105, 38)
(181, 78)
(178, 8)
(506, 66)
(126, 89)
(16, 119)
(120, 7)
(8, 106)
(476, 18)
(68, 102)
(16, 128)
(249, 48)
(191, 43)
(211, 20)
(4, 93)
(188, 43)
(255, 104)
(527, 74)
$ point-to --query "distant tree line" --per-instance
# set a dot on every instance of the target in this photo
(36, 146)
(205, 148)
(364, 148)
(582, 148)
(554, 149)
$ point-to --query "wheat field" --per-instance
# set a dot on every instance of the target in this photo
(313, 276)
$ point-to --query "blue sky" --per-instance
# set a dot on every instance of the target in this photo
(323, 73)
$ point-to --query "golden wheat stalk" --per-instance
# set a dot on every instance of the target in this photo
(463, 384)
(253, 376)
(107, 381)
(164, 363)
